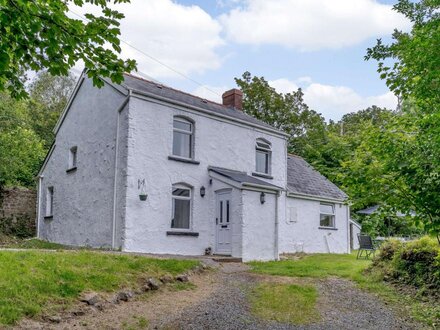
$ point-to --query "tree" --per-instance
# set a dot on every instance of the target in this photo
(38, 35)
(415, 72)
(287, 112)
(48, 97)
(21, 150)
(410, 147)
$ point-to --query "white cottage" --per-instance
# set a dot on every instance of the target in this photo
(146, 168)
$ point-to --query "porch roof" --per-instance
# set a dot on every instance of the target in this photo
(243, 178)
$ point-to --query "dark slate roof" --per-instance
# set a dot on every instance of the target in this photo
(242, 177)
(375, 208)
(143, 85)
(369, 210)
(303, 179)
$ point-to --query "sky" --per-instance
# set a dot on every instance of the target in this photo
(318, 45)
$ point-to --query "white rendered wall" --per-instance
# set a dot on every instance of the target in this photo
(258, 226)
(304, 233)
(217, 143)
(83, 199)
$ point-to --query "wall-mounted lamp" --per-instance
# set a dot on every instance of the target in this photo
(262, 198)
(202, 191)
(143, 193)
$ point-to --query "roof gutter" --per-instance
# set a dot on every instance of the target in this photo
(199, 109)
(316, 198)
(259, 187)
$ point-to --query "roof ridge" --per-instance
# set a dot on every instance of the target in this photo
(178, 90)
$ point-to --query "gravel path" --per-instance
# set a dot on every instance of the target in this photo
(219, 302)
(341, 305)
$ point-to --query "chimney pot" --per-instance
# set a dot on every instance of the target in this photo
(233, 98)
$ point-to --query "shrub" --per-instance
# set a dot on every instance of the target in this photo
(21, 227)
(388, 250)
(415, 263)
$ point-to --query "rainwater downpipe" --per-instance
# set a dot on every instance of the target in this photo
(276, 256)
(115, 178)
(40, 180)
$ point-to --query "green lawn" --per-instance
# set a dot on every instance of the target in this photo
(287, 303)
(34, 282)
(347, 266)
(316, 265)
(32, 243)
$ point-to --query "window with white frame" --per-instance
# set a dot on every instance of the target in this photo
(49, 202)
(183, 137)
(181, 217)
(327, 215)
(73, 157)
(263, 154)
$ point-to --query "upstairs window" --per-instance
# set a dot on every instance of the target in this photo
(49, 202)
(263, 152)
(73, 157)
(327, 215)
(183, 136)
(181, 207)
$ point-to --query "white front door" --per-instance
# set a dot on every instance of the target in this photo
(224, 223)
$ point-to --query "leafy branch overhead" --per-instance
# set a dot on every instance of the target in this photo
(39, 35)
(410, 65)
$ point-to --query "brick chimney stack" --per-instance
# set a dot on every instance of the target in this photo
(233, 98)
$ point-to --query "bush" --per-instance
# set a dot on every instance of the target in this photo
(21, 227)
(388, 250)
(415, 263)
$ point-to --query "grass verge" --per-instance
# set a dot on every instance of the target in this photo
(34, 283)
(34, 243)
(347, 266)
(286, 303)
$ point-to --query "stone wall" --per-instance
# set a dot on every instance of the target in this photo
(18, 211)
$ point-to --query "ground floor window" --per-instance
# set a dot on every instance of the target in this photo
(49, 202)
(327, 215)
(181, 207)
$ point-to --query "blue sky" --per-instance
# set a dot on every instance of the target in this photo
(318, 45)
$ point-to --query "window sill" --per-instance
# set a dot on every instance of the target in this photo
(262, 175)
(184, 160)
(48, 217)
(182, 233)
(328, 228)
(73, 169)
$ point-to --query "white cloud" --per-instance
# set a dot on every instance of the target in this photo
(310, 24)
(331, 101)
(283, 85)
(335, 101)
(185, 38)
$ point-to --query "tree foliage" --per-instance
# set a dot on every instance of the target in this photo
(410, 65)
(287, 112)
(26, 127)
(38, 35)
(410, 146)
(21, 149)
(48, 97)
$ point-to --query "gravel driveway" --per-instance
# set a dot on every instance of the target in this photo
(219, 302)
(341, 304)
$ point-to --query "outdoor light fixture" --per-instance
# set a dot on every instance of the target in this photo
(143, 193)
(202, 191)
(262, 198)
